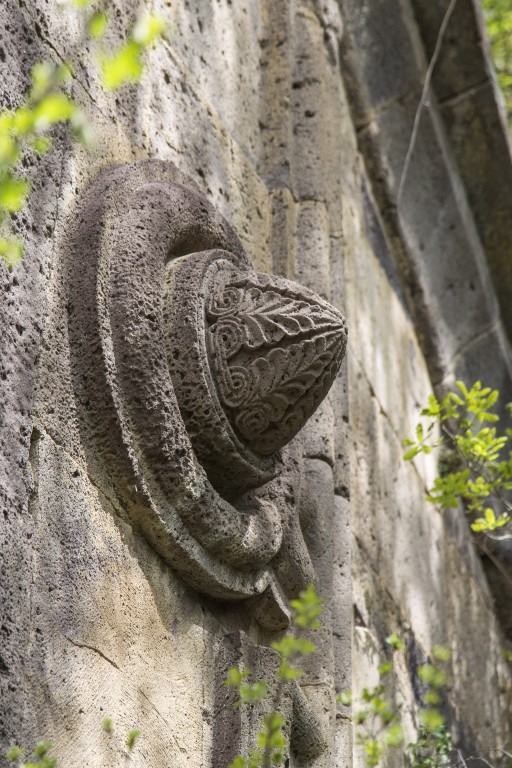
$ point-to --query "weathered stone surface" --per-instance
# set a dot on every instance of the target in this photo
(248, 100)
(113, 633)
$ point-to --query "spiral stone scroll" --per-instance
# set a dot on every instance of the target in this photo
(193, 373)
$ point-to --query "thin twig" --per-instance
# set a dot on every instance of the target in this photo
(499, 566)
(482, 760)
(424, 98)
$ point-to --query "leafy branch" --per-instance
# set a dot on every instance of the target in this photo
(28, 128)
(41, 757)
(378, 721)
(270, 741)
(476, 461)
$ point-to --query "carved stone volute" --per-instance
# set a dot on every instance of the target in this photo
(191, 373)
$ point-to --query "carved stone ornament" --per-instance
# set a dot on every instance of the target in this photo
(192, 373)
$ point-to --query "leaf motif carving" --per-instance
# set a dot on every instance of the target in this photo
(275, 354)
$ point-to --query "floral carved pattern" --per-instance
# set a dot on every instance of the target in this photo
(275, 350)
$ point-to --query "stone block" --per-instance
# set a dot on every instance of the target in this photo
(341, 413)
(318, 117)
(313, 247)
(461, 64)
(342, 598)
(274, 108)
(283, 243)
(319, 433)
(380, 54)
(219, 45)
(204, 151)
(478, 135)
(378, 327)
(455, 288)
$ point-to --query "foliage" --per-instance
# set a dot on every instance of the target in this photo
(498, 16)
(378, 721)
(42, 758)
(270, 747)
(132, 738)
(48, 103)
(108, 725)
(476, 461)
(433, 748)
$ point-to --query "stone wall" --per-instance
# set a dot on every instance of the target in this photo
(293, 119)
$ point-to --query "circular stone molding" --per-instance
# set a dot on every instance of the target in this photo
(192, 374)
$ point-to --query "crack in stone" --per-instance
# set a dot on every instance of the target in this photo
(112, 501)
(471, 90)
(92, 648)
(495, 327)
(373, 114)
(38, 32)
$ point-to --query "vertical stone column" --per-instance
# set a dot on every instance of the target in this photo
(308, 165)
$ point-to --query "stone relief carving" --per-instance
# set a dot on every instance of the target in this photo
(275, 351)
(193, 375)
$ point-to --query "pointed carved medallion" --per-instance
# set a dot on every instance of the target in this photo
(275, 349)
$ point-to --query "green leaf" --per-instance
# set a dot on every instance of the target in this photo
(394, 736)
(97, 25)
(42, 144)
(432, 698)
(42, 748)
(307, 608)
(42, 75)
(345, 698)
(431, 719)
(131, 739)
(9, 150)
(13, 753)
(11, 252)
(24, 121)
(463, 388)
(235, 676)
(108, 725)
(432, 675)
(441, 653)
(396, 642)
(288, 672)
(63, 73)
(148, 29)
(52, 109)
(238, 762)
(250, 692)
(122, 67)
(373, 753)
(13, 193)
